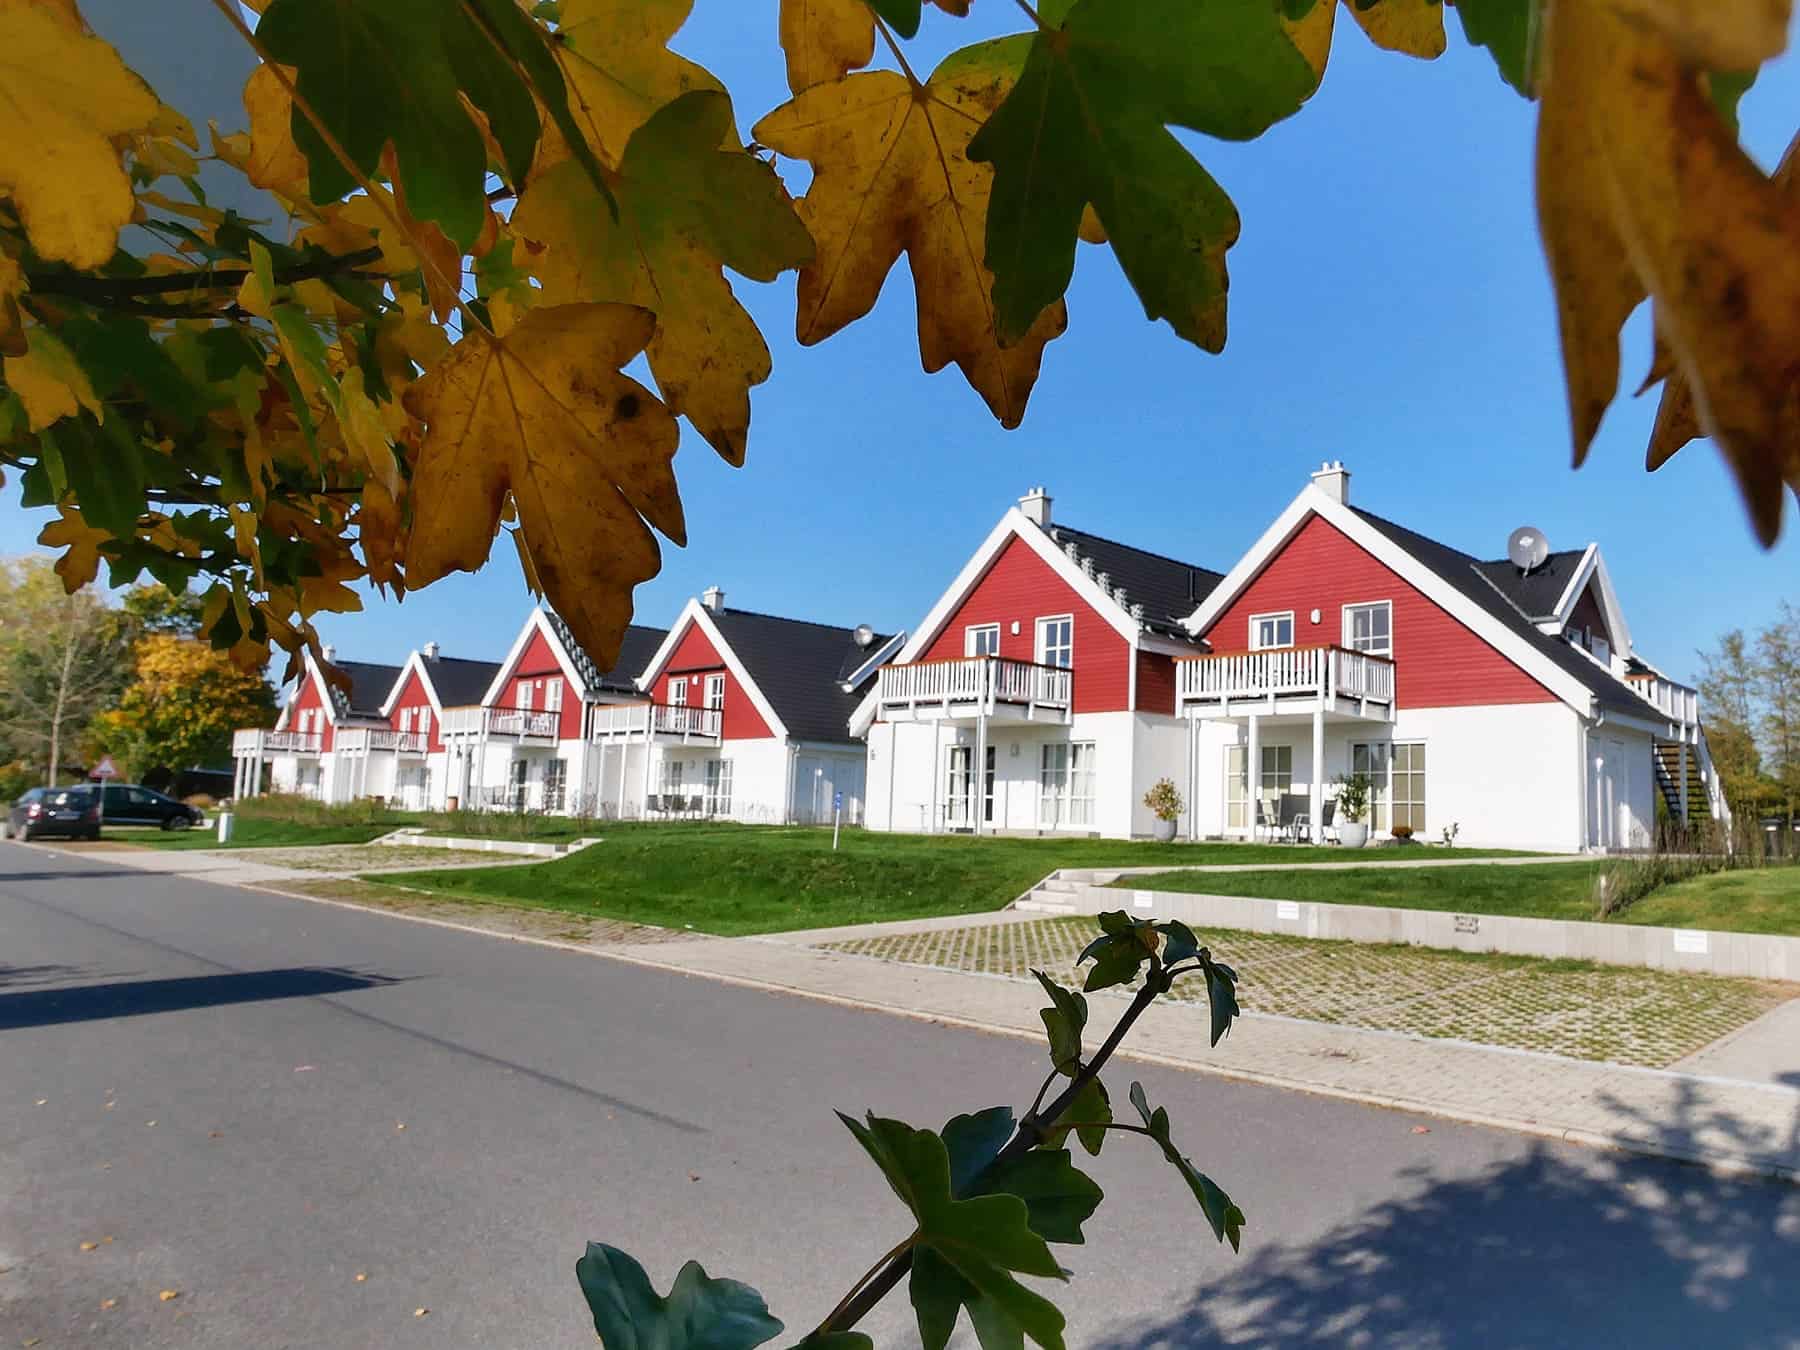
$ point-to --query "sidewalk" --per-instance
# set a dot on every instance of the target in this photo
(1732, 1124)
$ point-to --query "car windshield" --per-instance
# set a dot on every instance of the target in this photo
(27, 798)
(72, 796)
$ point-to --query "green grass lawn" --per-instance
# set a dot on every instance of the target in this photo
(358, 823)
(732, 879)
(249, 832)
(1760, 901)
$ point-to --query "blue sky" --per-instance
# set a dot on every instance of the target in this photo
(1390, 308)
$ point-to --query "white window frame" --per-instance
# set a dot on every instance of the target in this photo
(1277, 615)
(1043, 649)
(1272, 777)
(715, 692)
(1385, 800)
(1067, 772)
(678, 687)
(522, 696)
(553, 694)
(973, 636)
(718, 787)
(1345, 635)
(670, 777)
(423, 718)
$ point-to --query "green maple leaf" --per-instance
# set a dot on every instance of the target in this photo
(700, 1313)
(394, 71)
(1226, 1218)
(1088, 122)
(1064, 1021)
(979, 1241)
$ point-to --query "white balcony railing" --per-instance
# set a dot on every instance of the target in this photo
(261, 742)
(1677, 702)
(975, 683)
(1287, 672)
(363, 740)
(623, 721)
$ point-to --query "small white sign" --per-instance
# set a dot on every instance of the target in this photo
(1141, 900)
(1288, 909)
(1690, 940)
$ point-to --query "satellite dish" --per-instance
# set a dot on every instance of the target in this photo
(864, 635)
(1527, 548)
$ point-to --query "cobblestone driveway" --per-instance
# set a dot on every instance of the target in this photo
(1622, 1016)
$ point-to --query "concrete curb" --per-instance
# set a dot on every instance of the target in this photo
(412, 836)
(1719, 1163)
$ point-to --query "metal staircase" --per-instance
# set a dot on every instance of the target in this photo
(1668, 780)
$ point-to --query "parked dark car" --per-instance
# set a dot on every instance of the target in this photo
(73, 811)
(129, 804)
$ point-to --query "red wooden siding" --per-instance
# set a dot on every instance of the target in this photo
(1020, 586)
(1439, 663)
(693, 659)
(1588, 614)
(1156, 684)
(308, 700)
(536, 664)
(413, 697)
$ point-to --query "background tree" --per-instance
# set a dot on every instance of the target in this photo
(1729, 693)
(182, 704)
(63, 657)
(1778, 687)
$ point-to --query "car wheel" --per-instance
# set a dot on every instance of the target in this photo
(179, 822)
(92, 836)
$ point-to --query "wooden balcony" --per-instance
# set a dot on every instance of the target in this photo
(1335, 680)
(366, 740)
(501, 724)
(675, 723)
(974, 686)
(258, 743)
(1677, 702)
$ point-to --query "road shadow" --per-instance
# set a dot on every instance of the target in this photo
(1557, 1247)
(40, 974)
(136, 998)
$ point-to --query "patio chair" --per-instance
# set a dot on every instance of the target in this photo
(653, 804)
(1328, 822)
(696, 807)
(1262, 821)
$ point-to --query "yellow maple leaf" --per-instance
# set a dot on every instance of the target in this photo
(826, 39)
(81, 544)
(381, 532)
(686, 210)
(616, 58)
(891, 176)
(12, 286)
(1414, 27)
(66, 95)
(544, 414)
(274, 160)
(50, 381)
(1643, 191)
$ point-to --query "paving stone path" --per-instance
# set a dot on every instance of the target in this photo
(1621, 1016)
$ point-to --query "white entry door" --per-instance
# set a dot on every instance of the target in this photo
(1609, 795)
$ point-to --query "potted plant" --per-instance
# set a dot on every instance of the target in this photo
(1352, 806)
(1165, 804)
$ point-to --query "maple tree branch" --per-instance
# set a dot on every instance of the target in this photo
(893, 46)
(1031, 14)
(105, 290)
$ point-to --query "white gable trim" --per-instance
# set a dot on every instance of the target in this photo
(1314, 502)
(864, 716)
(415, 665)
(317, 676)
(1565, 603)
(1014, 524)
(536, 622)
(1593, 568)
(877, 659)
(693, 612)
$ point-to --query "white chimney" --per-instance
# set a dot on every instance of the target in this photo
(431, 651)
(1333, 479)
(714, 599)
(329, 652)
(1036, 506)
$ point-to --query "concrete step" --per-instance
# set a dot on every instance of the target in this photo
(1032, 904)
(1055, 885)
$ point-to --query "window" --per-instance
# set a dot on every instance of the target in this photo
(1056, 641)
(424, 721)
(1066, 784)
(1275, 778)
(718, 786)
(1370, 628)
(715, 693)
(1396, 774)
(1601, 648)
(556, 777)
(671, 777)
(1271, 630)
(981, 639)
(522, 696)
(553, 695)
(959, 803)
(678, 691)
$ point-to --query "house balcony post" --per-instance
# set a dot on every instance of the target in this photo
(1317, 801)
(1253, 769)
(980, 775)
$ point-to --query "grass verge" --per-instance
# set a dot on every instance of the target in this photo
(1763, 900)
(734, 879)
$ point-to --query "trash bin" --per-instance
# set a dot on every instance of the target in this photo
(226, 820)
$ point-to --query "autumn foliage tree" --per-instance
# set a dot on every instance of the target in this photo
(184, 701)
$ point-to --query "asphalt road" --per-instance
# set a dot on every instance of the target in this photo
(211, 1084)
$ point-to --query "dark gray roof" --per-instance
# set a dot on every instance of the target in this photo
(370, 684)
(1469, 576)
(800, 668)
(635, 650)
(1168, 590)
(459, 683)
(1538, 591)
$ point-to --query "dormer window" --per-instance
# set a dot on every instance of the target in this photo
(1271, 630)
(1370, 628)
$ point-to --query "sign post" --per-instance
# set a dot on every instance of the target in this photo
(105, 771)
(837, 816)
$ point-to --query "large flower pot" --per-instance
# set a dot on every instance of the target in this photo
(1162, 831)
(1353, 833)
